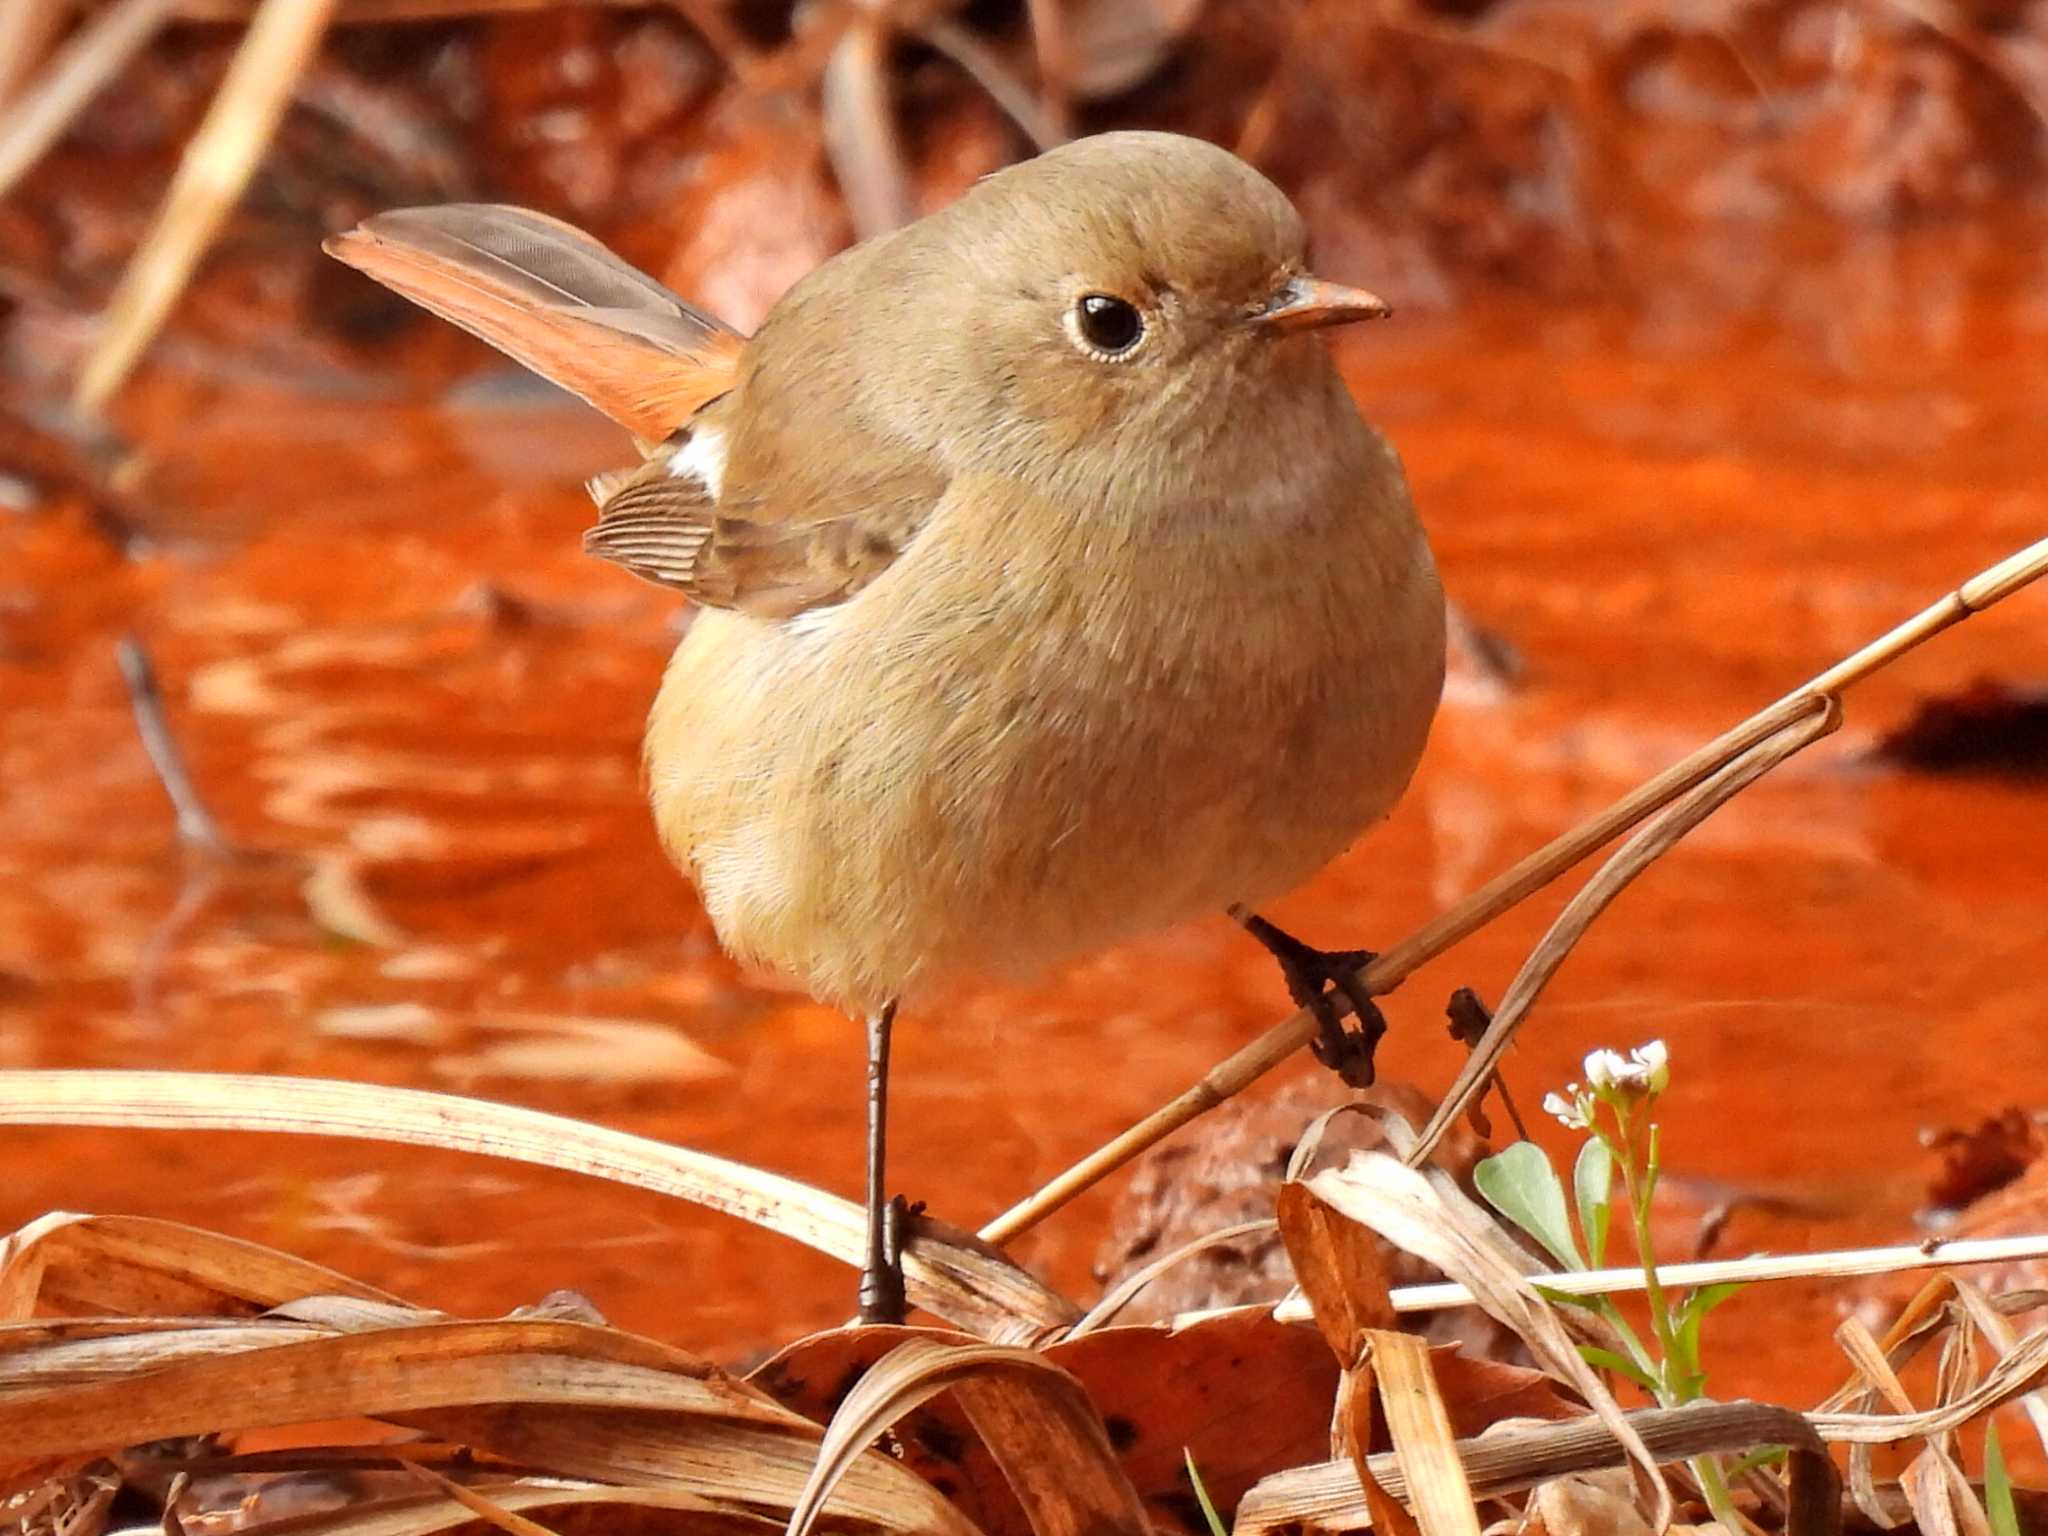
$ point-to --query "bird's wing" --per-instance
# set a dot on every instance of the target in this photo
(772, 547)
(554, 299)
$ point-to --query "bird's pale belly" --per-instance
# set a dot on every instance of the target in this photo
(1004, 805)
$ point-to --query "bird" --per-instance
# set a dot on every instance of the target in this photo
(1050, 587)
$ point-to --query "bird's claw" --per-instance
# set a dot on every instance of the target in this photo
(882, 1295)
(1315, 979)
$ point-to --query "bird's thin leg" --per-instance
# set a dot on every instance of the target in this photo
(881, 1278)
(1314, 976)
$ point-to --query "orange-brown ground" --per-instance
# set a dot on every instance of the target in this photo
(383, 651)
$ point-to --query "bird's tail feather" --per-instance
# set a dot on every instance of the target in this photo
(549, 296)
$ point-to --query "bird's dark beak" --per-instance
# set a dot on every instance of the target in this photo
(1309, 303)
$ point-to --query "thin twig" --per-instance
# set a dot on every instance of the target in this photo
(216, 166)
(38, 116)
(196, 826)
(1513, 886)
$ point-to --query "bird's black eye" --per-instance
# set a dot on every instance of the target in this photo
(1109, 324)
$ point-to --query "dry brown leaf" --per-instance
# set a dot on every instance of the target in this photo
(1034, 1417)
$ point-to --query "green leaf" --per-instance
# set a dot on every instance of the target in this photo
(1216, 1525)
(1762, 1456)
(1685, 1327)
(1519, 1182)
(1998, 1500)
(1567, 1299)
(1593, 1188)
(1608, 1360)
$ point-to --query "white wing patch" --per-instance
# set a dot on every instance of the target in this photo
(701, 459)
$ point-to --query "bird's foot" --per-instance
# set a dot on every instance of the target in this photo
(882, 1295)
(1315, 979)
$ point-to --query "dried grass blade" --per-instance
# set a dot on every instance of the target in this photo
(426, 1514)
(36, 118)
(140, 1266)
(757, 1466)
(1999, 1334)
(1034, 1417)
(216, 166)
(1128, 1289)
(1509, 1459)
(2021, 1371)
(393, 1370)
(1867, 1358)
(961, 1281)
(1837, 1263)
(1421, 1430)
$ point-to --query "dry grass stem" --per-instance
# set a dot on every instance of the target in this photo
(36, 118)
(860, 129)
(1420, 1428)
(949, 1276)
(1507, 890)
(214, 169)
(27, 29)
(1512, 1458)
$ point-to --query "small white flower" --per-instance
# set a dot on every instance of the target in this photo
(1646, 1070)
(1605, 1069)
(1654, 1061)
(1567, 1110)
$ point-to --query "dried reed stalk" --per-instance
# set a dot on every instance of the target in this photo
(216, 166)
(36, 118)
(1507, 890)
(27, 29)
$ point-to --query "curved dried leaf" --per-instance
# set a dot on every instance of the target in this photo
(139, 1266)
(954, 1276)
(1339, 1267)
(1241, 1391)
(1034, 1417)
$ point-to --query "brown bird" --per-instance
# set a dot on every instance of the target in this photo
(1053, 589)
